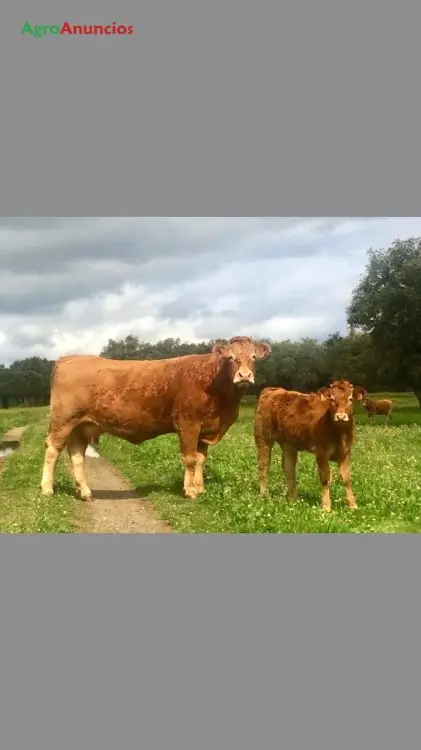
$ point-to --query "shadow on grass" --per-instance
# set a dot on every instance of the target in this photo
(116, 495)
(175, 489)
(9, 445)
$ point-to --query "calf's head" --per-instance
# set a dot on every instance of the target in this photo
(241, 353)
(341, 395)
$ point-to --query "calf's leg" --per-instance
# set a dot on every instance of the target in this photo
(345, 475)
(289, 465)
(264, 455)
(325, 474)
(264, 445)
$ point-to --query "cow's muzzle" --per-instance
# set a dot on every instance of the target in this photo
(243, 377)
(341, 417)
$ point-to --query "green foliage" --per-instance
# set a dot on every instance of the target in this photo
(131, 347)
(386, 304)
(301, 365)
(26, 381)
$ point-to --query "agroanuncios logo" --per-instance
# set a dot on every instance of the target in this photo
(67, 29)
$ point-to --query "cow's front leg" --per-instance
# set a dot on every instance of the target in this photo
(325, 474)
(188, 433)
(201, 455)
(345, 474)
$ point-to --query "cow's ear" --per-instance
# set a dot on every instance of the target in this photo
(324, 393)
(221, 350)
(359, 392)
(262, 350)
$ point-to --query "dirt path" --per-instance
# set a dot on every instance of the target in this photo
(116, 508)
(9, 441)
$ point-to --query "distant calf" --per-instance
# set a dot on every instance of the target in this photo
(383, 407)
(320, 423)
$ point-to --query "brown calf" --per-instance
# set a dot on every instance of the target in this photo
(320, 423)
(196, 396)
(383, 407)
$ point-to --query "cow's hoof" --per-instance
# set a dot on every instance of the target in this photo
(47, 491)
(191, 493)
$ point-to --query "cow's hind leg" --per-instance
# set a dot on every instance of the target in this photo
(289, 465)
(76, 446)
(50, 459)
(54, 444)
(264, 444)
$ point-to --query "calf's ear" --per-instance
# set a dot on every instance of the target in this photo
(262, 350)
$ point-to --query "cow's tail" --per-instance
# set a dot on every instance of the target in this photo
(56, 365)
(52, 379)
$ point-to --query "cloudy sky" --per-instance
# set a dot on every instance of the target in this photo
(69, 284)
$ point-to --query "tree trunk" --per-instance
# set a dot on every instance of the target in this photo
(418, 395)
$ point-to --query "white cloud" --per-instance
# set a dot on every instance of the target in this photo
(71, 284)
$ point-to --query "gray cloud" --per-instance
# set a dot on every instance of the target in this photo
(70, 284)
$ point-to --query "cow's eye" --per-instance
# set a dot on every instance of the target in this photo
(253, 356)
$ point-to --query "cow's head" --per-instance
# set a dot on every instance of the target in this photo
(341, 395)
(242, 353)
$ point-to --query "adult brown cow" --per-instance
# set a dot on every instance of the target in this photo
(197, 396)
(320, 423)
(383, 407)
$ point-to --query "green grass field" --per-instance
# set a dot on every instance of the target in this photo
(22, 508)
(19, 417)
(386, 469)
(386, 477)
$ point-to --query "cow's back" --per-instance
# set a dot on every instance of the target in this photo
(384, 404)
(292, 417)
(378, 407)
(124, 397)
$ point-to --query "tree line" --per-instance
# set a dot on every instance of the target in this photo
(382, 349)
